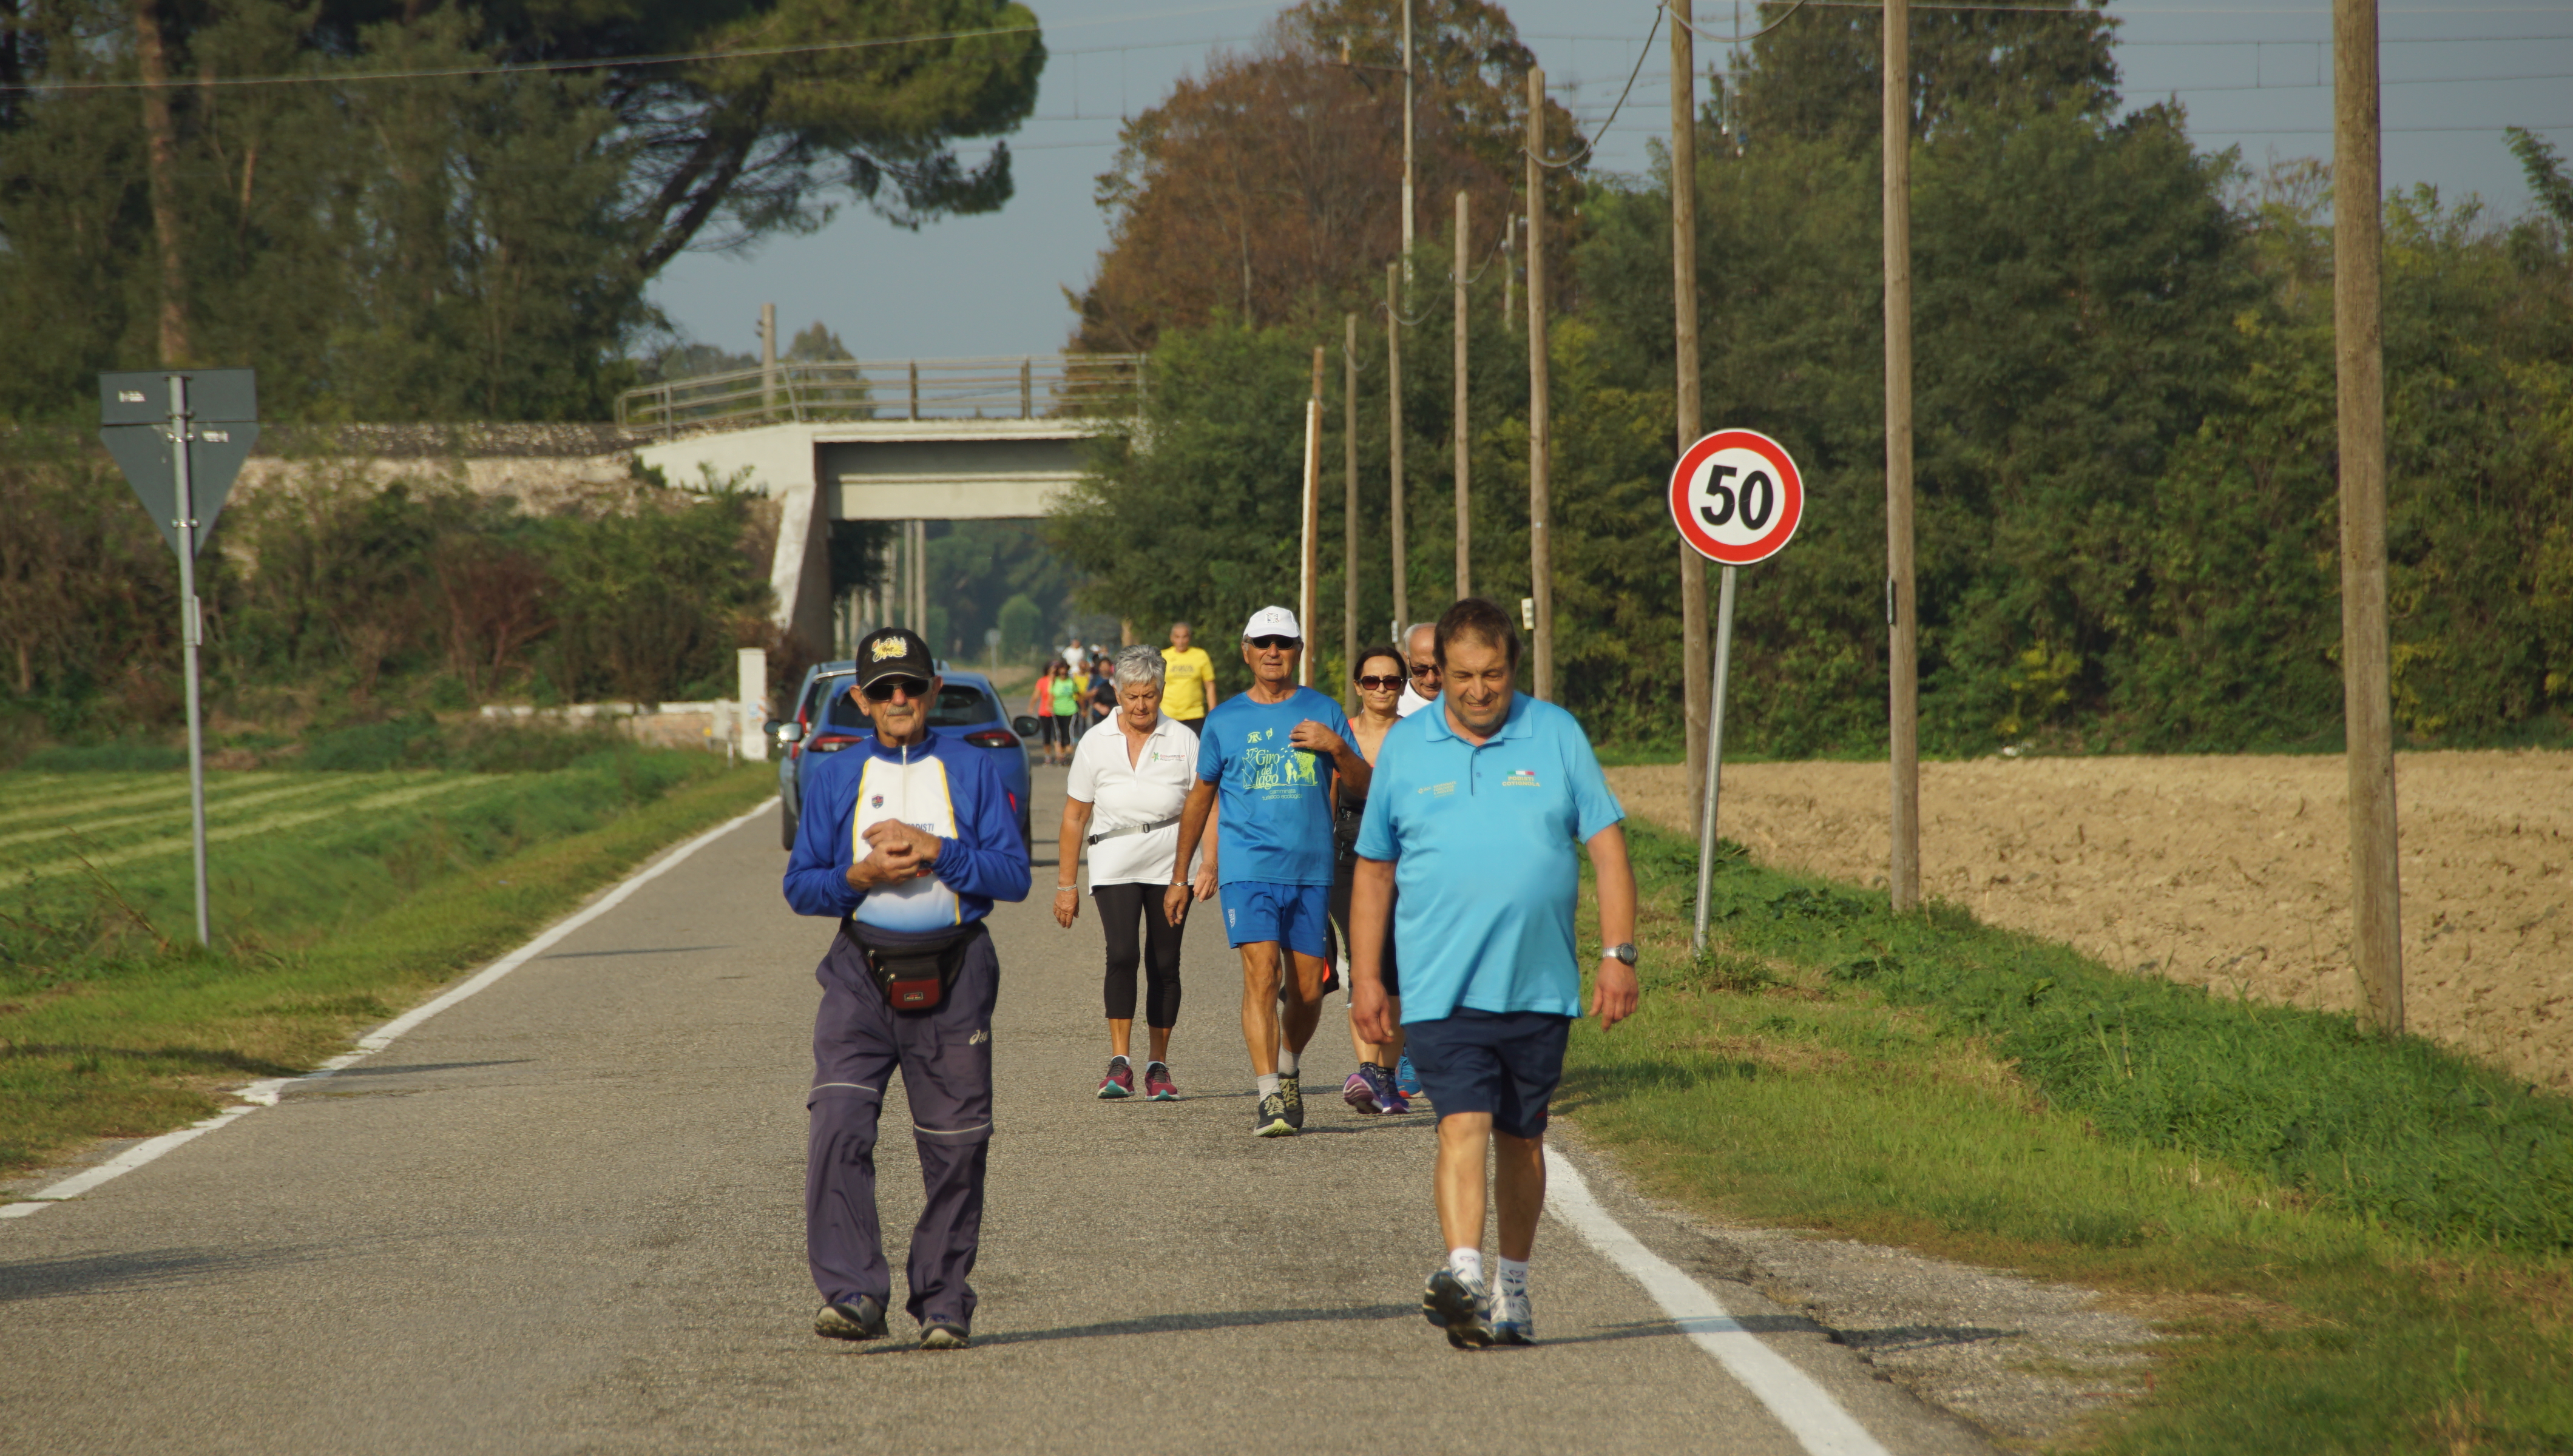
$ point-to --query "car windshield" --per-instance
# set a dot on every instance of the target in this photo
(959, 706)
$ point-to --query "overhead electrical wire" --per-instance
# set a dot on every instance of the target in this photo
(603, 62)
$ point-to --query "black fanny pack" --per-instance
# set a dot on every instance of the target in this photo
(915, 977)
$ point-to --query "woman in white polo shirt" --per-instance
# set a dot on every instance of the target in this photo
(1132, 772)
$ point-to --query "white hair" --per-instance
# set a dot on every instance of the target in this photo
(1137, 665)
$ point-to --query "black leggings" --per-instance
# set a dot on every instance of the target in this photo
(1120, 907)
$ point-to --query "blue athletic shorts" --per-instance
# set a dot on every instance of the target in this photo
(1295, 916)
(1503, 1063)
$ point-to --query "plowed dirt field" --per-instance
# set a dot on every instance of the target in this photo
(2229, 872)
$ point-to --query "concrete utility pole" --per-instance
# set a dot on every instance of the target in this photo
(1464, 489)
(1394, 444)
(2358, 338)
(768, 357)
(1694, 687)
(1350, 489)
(1903, 664)
(1309, 583)
(1540, 428)
(1407, 189)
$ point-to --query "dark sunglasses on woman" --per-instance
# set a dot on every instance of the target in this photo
(1375, 684)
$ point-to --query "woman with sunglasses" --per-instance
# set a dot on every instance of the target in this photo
(1381, 674)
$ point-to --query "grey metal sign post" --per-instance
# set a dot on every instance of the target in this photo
(181, 438)
(1736, 498)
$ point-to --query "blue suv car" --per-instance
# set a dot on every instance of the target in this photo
(826, 721)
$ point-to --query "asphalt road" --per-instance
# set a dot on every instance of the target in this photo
(566, 1215)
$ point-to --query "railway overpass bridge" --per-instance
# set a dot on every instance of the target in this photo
(907, 441)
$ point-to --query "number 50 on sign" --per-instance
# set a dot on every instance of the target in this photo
(1736, 496)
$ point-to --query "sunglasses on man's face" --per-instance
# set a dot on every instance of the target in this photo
(881, 690)
(1425, 669)
(1271, 643)
(1377, 684)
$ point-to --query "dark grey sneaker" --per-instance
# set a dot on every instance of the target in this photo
(1460, 1306)
(1292, 1089)
(941, 1334)
(861, 1318)
(1271, 1121)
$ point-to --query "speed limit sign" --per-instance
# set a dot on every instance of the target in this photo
(1736, 496)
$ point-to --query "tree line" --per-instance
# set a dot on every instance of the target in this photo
(2124, 390)
(426, 211)
(338, 597)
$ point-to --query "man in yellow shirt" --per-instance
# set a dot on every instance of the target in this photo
(1187, 685)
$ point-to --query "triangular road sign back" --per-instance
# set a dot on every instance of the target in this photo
(215, 457)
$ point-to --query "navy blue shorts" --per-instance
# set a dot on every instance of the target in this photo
(1503, 1063)
(1295, 916)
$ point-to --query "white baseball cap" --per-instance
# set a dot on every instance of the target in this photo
(1273, 621)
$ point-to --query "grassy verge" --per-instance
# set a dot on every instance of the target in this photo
(2364, 1245)
(113, 1022)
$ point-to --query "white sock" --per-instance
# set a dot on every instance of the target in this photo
(1268, 1083)
(1466, 1261)
(1513, 1275)
(1286, 1062)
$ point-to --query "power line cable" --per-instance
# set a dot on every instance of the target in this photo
(1591, 144)
(602, 62)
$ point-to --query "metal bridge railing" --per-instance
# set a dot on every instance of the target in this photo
(1029, 387)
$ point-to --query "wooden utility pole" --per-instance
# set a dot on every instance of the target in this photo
(1902, 663)
(1694, 687)
(1308, 588)
(1394, 441)
(769, 362)
(1464, 490)
(2358, 340)
(1350, 492)
(1540, 428)
(1407, 189)
(1511, 273)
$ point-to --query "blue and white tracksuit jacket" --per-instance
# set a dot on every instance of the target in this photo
(948, 788)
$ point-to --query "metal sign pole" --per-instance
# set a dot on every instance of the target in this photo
(191, 632)
(1714, 751)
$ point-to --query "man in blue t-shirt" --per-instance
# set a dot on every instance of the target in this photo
(1272, 751)
(1481, 807)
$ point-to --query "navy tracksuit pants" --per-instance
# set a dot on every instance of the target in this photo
(946, 1059)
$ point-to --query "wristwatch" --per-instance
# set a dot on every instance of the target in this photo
(1622, 952)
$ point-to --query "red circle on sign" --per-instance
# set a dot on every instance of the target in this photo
(1736, 496)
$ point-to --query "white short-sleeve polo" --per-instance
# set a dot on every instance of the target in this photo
(1151, 789)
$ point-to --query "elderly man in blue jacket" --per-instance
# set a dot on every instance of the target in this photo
(907, 839)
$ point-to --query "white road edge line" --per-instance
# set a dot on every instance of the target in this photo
(264, 1093)
(1806, 1409)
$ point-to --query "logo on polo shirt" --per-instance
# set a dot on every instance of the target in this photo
(1519, 779)
(1440, 791)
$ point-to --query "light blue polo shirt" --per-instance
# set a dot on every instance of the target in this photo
(1486, 849)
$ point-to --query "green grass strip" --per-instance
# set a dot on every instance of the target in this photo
(227, 803)
(30, 795)
(103, 1033)
(1928, 1082)
(2401, 1131)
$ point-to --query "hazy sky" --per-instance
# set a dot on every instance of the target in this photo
(2255, 75)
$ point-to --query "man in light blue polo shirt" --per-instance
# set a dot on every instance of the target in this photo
(1478, 814)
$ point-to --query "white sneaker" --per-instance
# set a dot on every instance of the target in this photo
(1512, 1322)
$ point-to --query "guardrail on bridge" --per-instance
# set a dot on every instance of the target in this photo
(1027, 387)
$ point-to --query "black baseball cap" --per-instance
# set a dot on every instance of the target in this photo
(893, 652)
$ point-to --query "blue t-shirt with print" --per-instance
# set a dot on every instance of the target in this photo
(1275, 823)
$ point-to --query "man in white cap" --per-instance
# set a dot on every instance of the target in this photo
(1272, 751)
